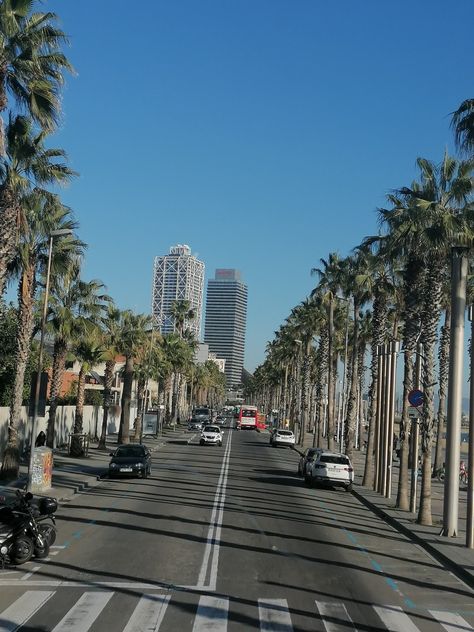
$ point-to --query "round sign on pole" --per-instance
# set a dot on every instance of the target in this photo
(416, 397)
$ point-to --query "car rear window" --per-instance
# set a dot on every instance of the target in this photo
(129, 451)
(333, 458)
(286, 433)
(211, 429)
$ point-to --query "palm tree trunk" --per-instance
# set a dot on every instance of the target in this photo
(77, 448)
(124, 429)
(141, 406)
(331, 381)
(443, 355)
(352, 399)
(26, 291)
(431, 316)
(59, 364)
(8, 233)
(108, 382)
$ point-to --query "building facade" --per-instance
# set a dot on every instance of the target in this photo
(226, 318)
(178, 276)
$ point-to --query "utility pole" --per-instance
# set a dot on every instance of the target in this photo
(453, 422)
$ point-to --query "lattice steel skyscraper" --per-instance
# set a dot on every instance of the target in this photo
(178, 276)
(226, 317)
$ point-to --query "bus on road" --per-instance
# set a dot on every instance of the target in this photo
(248, 416)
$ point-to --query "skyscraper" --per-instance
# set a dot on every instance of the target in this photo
(178, 276)
(226, 316)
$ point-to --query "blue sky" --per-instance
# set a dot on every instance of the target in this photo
(263, 133)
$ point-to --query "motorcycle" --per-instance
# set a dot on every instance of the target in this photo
(21, 534)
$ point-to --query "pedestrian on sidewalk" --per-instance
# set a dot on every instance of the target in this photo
(40, 440)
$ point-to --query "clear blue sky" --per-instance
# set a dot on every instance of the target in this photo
(263, 133)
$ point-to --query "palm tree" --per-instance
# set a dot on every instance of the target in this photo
(44, 215)
(463, 125)
(26, 165)
(75, 307)
(329, 284)
(134, 329)
(89, 351)
(181, 313)
(31, 62)
(110, 341)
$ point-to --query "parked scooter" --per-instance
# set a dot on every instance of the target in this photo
(21, 534)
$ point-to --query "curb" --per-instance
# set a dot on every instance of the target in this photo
(445, 561)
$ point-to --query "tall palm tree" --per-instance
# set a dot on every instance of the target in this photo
(27, 165)
(463, 125)
(182, 313)
(43, 215)
(74, 307)
(134, 329)
(110, 342)
(89, 351)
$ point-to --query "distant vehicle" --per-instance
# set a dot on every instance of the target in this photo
(211, 435)
(330, 468)
(133, 459)
(202, 413)
(282, 437)
(306, 459)
(194, 424)
(261, 421)
(248, 416)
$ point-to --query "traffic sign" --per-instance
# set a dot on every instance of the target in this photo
(416, 397)
(413, 413)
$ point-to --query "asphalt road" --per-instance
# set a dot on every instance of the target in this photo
(229, 538)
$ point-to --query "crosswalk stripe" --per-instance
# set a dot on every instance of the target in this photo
(23, 609)
(211, 614)
(83, 614)
(450, 621)
(274, 615)
(332, 610)
(395, 619)
(148, 614)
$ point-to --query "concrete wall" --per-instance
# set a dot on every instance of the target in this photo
(92, 423)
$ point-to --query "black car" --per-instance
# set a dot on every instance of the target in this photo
(133, 459)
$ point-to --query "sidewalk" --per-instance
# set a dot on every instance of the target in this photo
(450, 552)
(72, 475)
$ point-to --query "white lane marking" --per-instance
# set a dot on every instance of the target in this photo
(451, 621)
(194, 435)
(218, 531)
(274, 615)
(55, 552)
(27, 575)
(148, 614)
(78, 584)
(83, 614)
(395, 619)
(212, 614)
(219, 499)
(23, 609)
(332, 610)
(57, 546)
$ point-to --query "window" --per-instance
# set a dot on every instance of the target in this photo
(333, 458)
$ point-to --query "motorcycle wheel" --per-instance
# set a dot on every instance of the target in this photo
(48, 532)
(41, 552)
(21, 550)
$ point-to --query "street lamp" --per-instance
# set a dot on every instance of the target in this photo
(60, 232)
(343, 412)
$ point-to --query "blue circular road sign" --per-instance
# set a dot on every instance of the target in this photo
(416, 397)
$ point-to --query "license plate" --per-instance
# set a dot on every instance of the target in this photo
(125, 469)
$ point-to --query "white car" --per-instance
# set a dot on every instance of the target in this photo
(330, 468)
(211, 435)
(282, 437)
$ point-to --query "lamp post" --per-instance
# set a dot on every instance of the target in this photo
(343, 406)
(55, 233)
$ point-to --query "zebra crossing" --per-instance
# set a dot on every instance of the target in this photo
(153, 612)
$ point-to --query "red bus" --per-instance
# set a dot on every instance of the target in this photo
(248, 417)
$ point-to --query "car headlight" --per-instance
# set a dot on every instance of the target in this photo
(138, 465)
(113, 466)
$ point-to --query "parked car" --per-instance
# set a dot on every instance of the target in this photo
(211, 435)
(306, 459)
(330, 468)
(194, 424)
(133, 459)
(282, 437)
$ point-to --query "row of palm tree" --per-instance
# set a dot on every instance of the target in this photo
(394, 286)
(82, 320)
